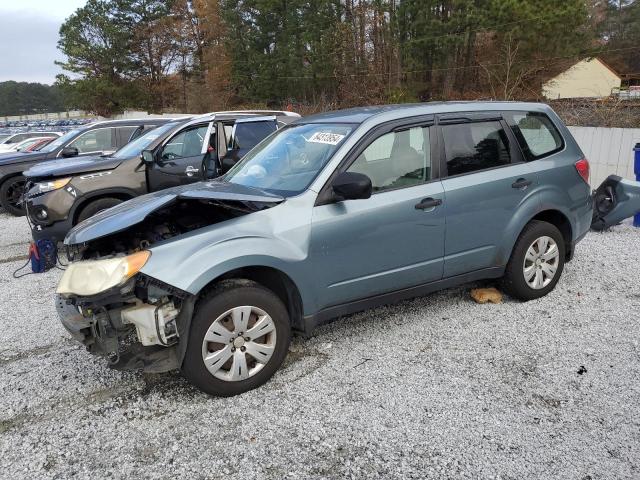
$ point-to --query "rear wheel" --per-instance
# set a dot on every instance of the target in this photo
(239, 337)
(536, 262)
(11, 193)
(97, 206)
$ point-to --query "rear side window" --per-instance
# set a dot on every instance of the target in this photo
(18, 138)
(470, 147)
(129, 133)
(249, 134)
(95, 141)
(536, 133)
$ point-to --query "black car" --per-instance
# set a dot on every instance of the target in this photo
(101, 138)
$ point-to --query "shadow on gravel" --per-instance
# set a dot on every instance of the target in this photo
(34, 352)
(15, 258)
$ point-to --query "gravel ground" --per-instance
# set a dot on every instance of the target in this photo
(433, 387)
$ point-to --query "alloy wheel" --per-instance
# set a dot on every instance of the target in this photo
(541, 262)
(239, 343)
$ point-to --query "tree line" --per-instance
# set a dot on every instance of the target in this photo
(22, 98)
(203, 55)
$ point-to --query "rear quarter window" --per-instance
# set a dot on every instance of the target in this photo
(536, 134)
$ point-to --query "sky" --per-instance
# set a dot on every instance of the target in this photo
(29, 38)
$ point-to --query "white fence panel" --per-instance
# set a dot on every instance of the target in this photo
(609, 150)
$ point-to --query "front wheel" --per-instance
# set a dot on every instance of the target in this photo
(11, 193)
(536, 262)
(239, 337)
(96, 207)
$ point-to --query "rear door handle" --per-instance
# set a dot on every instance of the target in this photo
(428, 203)
(521, 183)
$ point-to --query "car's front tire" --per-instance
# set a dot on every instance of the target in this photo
(239, 337)
(11, 192)
(536, 263)
(97, 206)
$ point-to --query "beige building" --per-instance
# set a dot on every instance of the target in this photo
(589, 78)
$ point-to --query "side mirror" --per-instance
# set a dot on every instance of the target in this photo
(147, 157)
(352, 186)
(68, 152)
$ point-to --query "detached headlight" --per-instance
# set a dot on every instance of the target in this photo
(44, 187)
(91, 277)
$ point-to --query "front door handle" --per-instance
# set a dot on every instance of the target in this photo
(191, 171)
(428, 203)
(521, 183)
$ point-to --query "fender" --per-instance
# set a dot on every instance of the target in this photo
(191, 271)
(86, 198)
(528, 208)
(545, 198)
(260, 239)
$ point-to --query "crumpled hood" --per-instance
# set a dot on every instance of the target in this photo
(71, 166)
(123, 216)
(9, 158)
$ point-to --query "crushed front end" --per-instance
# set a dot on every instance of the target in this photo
(104, 299)
(137, 325)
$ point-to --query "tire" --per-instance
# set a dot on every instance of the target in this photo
(10, 192)
(214, 317)
(97, 206)
(515, 282)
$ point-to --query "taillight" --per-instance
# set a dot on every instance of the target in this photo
(582, 166)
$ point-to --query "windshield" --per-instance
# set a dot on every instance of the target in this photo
(58, 142)
(134, 148)
(287, 162)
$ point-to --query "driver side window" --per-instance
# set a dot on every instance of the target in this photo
(396, 160)
(188, 143)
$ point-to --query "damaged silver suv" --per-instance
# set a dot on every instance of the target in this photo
(333, 214)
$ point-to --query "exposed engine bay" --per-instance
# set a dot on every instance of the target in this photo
(177, 218)
(142, 323)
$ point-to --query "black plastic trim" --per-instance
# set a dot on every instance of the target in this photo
(328, 314)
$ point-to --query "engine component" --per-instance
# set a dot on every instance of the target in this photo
(155, 324)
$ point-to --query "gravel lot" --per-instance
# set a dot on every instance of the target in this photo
(434, 387)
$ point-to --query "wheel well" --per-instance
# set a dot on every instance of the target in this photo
(276, 281)
(81, 206)
(561, 222)
(10, 177)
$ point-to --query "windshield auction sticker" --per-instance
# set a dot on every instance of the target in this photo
(326, 137)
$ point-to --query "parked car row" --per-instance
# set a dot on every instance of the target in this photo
(63, 193)
(46, 123)
(9, 140)
(28, 145)
(219, 260)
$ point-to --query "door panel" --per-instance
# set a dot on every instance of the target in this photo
(388, 242)
(361, 248)
(489, 184)
(181, 160)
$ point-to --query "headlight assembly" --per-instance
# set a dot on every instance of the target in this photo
(91, 277)
(44, 187)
